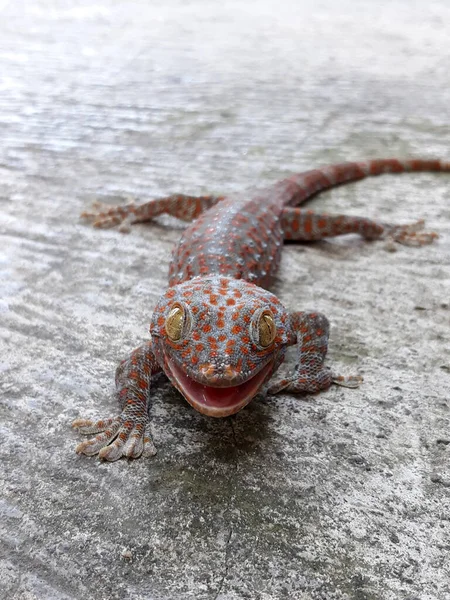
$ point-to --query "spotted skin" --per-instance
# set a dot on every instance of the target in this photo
(228, 335)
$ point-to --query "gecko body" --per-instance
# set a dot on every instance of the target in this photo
(217, 333)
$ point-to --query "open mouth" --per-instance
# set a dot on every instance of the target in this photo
(218, 401)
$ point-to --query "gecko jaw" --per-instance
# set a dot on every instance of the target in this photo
(215, 401)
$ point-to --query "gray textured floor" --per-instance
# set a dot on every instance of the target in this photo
(343, 496)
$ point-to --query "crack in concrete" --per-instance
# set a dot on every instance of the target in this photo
(226, 565)
(230, 532)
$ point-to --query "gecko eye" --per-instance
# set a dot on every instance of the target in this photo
(177, 322)
(267, 329)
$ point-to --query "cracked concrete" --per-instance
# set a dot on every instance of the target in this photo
(342, 496)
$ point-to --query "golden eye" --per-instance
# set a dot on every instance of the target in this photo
(266, 329)
(175, 322)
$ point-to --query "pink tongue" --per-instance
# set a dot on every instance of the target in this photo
(213, 396)
(220, 397)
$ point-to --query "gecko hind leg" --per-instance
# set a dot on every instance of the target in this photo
(305, 225)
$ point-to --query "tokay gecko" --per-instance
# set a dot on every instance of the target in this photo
(217, 333)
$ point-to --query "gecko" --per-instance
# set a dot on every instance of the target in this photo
(217, 333)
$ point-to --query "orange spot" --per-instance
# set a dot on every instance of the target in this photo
(231, 301)
(206, 328)
(222, 337)
(212, 342)
(236, 329)
(170, 293)
(307, 224)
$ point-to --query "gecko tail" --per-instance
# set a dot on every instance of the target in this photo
(300, 187)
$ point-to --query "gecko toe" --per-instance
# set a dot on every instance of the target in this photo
(88, 427)
(349, 381)
(134, 445)
(94, 445)
(112, 452)
(149, 448)
(139, 443)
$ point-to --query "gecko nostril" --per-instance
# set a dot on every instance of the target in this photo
(230, 372)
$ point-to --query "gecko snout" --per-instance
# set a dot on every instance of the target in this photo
(220, 375)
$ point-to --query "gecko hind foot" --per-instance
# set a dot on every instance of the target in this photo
(116, 437)
(411, 234)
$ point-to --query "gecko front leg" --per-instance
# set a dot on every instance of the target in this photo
(128, 433)
(184, 207)
(311, 331)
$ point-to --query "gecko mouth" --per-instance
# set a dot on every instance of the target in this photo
(218, 401)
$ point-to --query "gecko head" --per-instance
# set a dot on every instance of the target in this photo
(218, 340)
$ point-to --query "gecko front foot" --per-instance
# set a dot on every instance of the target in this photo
(105, 216)
(117, 437)
(304, 383)
(348, 381)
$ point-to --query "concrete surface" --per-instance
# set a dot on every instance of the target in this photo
(343, 496)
